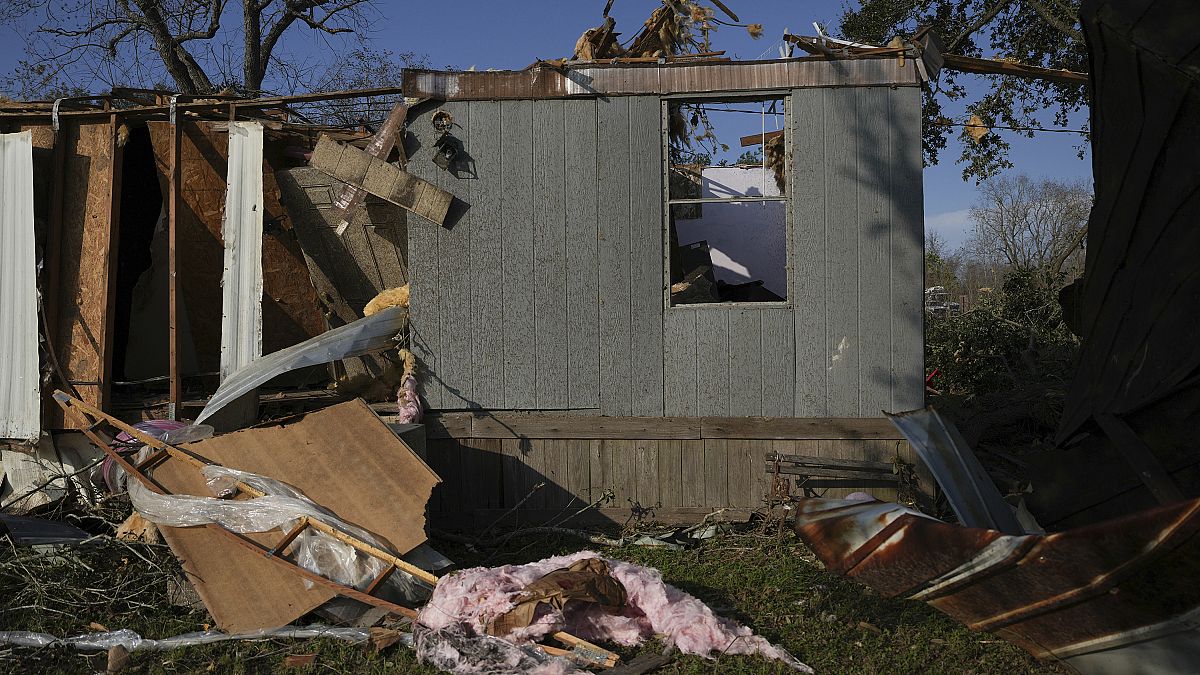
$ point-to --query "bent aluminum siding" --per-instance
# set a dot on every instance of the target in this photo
(20, 392)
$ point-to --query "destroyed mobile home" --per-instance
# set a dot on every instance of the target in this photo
(528, 298)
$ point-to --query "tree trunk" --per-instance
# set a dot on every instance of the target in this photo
(253, 69)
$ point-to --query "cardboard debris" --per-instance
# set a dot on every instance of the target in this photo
(587, 580)
(344, 458)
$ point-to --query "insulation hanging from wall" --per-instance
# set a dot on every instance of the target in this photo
(242, 231)
(19, 385)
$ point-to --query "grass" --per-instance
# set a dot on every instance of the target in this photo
(766, 579)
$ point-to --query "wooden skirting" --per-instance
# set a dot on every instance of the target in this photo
(667, 469)
(539, 425)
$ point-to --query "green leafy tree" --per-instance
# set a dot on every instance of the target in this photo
(1042, 33)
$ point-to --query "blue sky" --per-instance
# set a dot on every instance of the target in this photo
(510, 35)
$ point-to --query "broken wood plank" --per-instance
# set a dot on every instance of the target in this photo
(353, 166)
(757, 139)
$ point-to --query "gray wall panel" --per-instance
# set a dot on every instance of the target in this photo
(456, 287)
(842, 346)
(646, 282)
(807, 286)
(778, 362)
(549, 255)
(612, 126)
(516, 175)
(580, 195)
(874, 254)
(908, 251)
(425, 311)
(487, 255)
(745, 362)
(679, 367)
(548, 293)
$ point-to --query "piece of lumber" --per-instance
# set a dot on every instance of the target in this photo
(970, 64)
(355, 167)
(757, 139)
(1141, 458)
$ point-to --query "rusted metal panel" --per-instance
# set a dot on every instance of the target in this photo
(666, 78)
(1061, 595)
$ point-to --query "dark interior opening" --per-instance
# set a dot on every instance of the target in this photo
(141, 204)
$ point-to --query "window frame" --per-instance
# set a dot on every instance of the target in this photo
(667, 202)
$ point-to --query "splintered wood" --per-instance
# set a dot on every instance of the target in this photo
(386, 181)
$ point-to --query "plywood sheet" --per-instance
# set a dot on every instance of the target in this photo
(344, 458)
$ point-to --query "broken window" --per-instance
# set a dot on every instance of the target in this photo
(727, 203)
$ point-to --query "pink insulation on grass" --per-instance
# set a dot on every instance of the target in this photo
(473, 597)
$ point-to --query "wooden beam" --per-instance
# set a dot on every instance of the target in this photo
(115, 171)
(174, 199)
(552, 425)
(1141, 458)
(757, 139)
(970, 64)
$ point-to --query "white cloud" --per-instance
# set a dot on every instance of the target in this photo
(952, 226)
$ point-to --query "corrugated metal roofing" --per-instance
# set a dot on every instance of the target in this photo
(625, 79)
(20, 393)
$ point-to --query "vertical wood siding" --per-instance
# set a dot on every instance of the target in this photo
(546, 291)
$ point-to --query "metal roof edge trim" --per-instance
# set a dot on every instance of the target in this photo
(598, 80)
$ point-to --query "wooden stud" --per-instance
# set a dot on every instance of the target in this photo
(174, 199)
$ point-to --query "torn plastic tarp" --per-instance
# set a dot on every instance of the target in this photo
(131, 641)
(280, 508)
(473, 598)
(368, 334)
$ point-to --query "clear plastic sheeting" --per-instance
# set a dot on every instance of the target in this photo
(368, 334)
(131, 641)
(454, 650)
(281, 508)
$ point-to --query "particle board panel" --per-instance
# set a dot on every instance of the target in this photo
(680, 362)
(581, 194)
(520, 357)
(454, 278)
(745, 362)
(384, 491)
(86, 258)
(843, 347)
(670, 473)
(616, 376)
(425, 292)
(778, 358)
(712, 362)
(550, 294)
(646, 274)
(874, 252)
(809, 266)
(487, 255)
(907, 252)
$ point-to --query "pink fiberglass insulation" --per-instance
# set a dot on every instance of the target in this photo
(473, 597)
